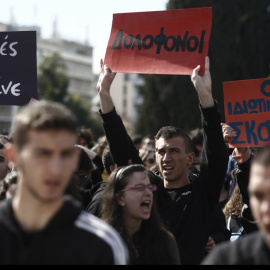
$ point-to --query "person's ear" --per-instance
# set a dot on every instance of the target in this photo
(191, 158)
(112, 167)
(121, 200)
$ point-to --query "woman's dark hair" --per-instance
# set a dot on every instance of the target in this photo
(148, 245)
(107, 160)
(40, 116)
(234, 205)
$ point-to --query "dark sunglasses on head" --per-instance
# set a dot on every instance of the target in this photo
(82, 177)
(151, 160)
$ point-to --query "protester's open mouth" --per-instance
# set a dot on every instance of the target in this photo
(167, 168)
(146, 205)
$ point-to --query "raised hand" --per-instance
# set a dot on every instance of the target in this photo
(106, 78)
(203, 84)
(228, 132)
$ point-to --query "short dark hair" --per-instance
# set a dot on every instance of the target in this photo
(107, 160)
(196, 136)
(169, 132)
(262, 156)
(42, 115)
(86, 133)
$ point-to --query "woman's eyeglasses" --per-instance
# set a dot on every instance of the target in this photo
(141, 187)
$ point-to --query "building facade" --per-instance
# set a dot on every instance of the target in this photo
(77, 57)
(78, 61)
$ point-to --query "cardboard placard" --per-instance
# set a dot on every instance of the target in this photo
(247, 111)
(159, 42)
(18, 67)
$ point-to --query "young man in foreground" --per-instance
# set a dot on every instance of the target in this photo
(41, 225)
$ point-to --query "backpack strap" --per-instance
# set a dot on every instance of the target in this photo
(241, 229)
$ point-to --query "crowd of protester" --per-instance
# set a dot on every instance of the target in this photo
(178, 198)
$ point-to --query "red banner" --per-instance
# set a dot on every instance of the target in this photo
(159, 42)
(247, 111)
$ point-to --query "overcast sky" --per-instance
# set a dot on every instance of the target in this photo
(78, 20)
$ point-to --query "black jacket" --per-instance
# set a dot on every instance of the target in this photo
(72, 237)
(188, 211)
(250, 250)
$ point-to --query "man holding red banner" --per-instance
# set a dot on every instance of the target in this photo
(186, 207)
